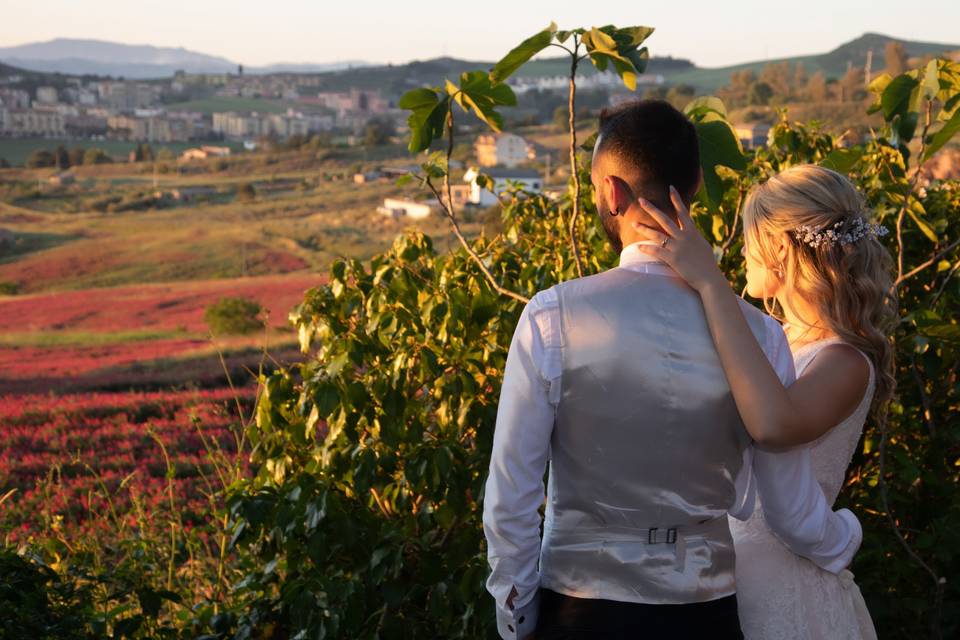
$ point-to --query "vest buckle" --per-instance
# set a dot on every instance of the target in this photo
(654, 536)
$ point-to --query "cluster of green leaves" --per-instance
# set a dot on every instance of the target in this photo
(37, 603)
(41, 602)
(903, 101)
(233, 315)
(481, 93)
(363, 520)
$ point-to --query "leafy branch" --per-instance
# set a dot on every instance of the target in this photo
(481, 93)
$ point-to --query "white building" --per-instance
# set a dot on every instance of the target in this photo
(399, 208)
(503, 149)
(254, 125)
(602, 80)
(528, 179)
(127, 96)
(47, 95)
(22, 122)
(14, 98)
(204, 152)
(752, 135)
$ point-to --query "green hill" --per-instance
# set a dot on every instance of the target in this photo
(396, 79)
(833, 63)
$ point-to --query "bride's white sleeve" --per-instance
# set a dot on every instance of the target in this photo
(793, 503)
(797, 511)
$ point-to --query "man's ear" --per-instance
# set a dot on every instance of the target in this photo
(616, 194)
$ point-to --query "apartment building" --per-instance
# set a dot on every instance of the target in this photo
(503, 150)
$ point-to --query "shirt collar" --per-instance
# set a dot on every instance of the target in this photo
(631, 254)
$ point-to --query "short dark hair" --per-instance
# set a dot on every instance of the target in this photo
(657, 142)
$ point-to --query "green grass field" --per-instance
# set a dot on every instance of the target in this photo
(17, 150)
(84, 338)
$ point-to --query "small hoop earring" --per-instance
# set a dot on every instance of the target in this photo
(616, 211)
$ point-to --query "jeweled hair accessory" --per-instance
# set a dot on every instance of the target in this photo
(859, 229)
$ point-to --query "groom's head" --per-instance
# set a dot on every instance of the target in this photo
(643, 147)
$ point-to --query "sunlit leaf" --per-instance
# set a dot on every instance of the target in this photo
(520, 54)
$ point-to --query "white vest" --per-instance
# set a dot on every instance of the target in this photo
(646, 447)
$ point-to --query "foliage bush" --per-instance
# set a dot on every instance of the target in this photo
(372, 455)
(246, 192)
(233, 316)
(41, 158)
(38, 603)
(96, 156)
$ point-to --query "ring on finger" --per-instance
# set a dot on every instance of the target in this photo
(663, 243)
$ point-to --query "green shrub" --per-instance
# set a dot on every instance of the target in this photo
(41, 158)
(96, 156)
(231, 316)
(8, 288)
(38, 603)
(246, 192)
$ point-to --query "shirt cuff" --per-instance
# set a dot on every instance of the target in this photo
(520, 622)
(843, 560)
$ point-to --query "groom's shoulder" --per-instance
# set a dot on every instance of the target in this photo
(586, 285)
(765, 327)
(546, 301)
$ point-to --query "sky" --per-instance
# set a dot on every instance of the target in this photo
(252, 32)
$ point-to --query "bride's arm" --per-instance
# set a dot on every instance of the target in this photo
(829, 389)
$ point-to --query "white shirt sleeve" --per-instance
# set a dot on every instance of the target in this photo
(777, 350)
(521, 445)
(794, 506)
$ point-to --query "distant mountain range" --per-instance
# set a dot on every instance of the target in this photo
(97, 57)
(93, 57)
(833, 63)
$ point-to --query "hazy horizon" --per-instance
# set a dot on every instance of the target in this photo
(399, 33)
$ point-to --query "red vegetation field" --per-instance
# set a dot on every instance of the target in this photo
(19, 363)
(115, 335)
(96, 258)
(70, 457)
(171, 306)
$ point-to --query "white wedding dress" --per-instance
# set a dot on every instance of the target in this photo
(781, 596)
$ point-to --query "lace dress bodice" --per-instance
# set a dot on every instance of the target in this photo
(782, 596)
(831, 453)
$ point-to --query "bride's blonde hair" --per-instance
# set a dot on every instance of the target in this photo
(849, 283)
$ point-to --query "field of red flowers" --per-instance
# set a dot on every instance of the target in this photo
(169, 306)
(79, 463)
(98, 338)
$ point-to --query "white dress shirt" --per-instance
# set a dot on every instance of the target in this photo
(521, 448)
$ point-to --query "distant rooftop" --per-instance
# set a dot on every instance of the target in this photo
(503, 172)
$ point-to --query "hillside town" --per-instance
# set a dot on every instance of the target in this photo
(159, 111)
(147, 111)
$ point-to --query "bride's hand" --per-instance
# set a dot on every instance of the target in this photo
(681, 247)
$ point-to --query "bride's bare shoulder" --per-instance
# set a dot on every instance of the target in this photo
(844, 365)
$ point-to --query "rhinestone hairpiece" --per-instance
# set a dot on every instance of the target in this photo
(859, 229)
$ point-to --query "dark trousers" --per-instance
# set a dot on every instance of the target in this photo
(568, 618)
